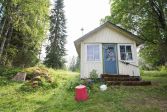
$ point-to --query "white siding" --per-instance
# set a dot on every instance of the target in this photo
(107, 35)
(88, 66)
(132, 68)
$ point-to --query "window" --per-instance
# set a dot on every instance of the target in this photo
(93, 53)
(126, 52)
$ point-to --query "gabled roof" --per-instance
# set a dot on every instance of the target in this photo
(136, 38)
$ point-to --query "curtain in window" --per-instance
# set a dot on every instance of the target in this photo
(93, 53)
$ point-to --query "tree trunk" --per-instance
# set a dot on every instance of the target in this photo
(2, 27)
(2, 46)
(8, 44)
(3, 43)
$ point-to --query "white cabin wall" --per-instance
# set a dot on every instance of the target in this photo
(107, 35)
(129, 69)
(88, 66)
(82, 73)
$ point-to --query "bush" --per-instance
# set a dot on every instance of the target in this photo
(163, 68)
(93, 75)
(72, 83)
(141, 72)
(9, 72)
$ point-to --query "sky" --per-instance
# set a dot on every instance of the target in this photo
(84, 14)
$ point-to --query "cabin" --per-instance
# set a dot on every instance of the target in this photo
(108, 49)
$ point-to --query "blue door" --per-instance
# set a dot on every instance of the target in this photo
(109, 59)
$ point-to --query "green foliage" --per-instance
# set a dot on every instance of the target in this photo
(9, 72)
(93, 75)
(150, 53)
(74, 64)
(55, 52)
(72, 83)
(143, 65)
(141, 72)
(163, 68)
(154, 74)
(147, 19)
(24, 29)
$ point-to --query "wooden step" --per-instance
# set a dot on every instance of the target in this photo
(110, 75)
(129, 83)
(107, 77)
(130, 78)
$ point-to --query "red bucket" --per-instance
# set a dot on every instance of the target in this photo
(81, 93)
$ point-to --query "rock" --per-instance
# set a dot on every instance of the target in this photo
(34, 84)
(37, 78)
(20, 76)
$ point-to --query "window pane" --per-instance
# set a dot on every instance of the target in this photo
(90, 58)
(129, 56)
(96, 53)
(128, 49)
(89, 52)
(93, 53)
(123, 56)
(122, 48)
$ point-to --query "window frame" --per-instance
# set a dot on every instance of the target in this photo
(132, 50)
(93, 60)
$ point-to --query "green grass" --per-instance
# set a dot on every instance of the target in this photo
(116, 99)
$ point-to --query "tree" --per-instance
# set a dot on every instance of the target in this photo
(23, 27)
(75, 64)
(148, 20)
(55, 51)
(72, 64)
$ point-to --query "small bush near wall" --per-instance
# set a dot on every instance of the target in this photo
(93, 75)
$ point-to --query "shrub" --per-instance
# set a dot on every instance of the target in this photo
(141, 72)
(9, 72)
(93, 75)
(72, 83)
(163, 68)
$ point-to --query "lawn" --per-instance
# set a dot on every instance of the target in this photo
(61, 99)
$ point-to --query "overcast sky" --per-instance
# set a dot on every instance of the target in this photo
(82, 13)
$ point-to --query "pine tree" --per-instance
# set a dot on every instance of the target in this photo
(55, 51)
